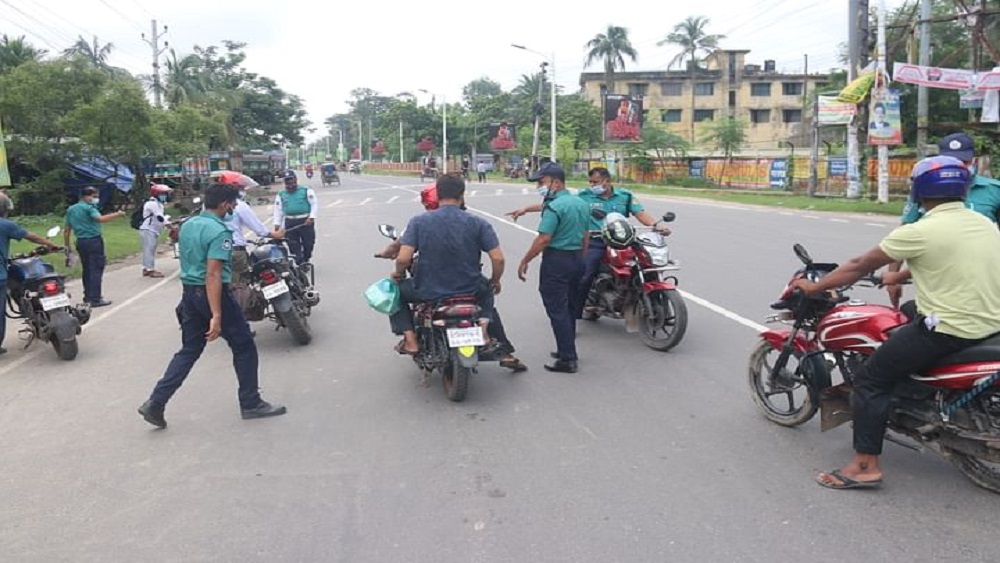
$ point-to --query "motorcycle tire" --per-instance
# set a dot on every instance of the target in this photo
(983, 474)
(757, 375)
(65, 349)
(455, 379)
(651, 327)
(297, 326)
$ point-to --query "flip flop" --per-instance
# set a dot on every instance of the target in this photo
(848, 483)
(514, 365)
(400, 349)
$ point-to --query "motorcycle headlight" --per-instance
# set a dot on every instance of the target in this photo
(659, 256)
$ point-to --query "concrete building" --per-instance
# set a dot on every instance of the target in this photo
(770, 102)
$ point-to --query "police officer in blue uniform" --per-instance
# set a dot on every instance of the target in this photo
(208, 310)
(562, 242)
(602, 195)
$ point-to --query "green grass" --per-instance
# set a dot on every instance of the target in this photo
(120, 240)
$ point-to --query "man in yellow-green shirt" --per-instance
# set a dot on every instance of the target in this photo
(951, 255)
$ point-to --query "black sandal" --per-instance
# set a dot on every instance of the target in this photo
(513, 364)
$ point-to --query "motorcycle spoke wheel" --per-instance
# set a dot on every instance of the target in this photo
(984, 473)
(787, 400)
(663, 328)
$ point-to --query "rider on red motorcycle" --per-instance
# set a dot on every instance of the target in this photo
(951, 254)
(499, 344)
(450, 243)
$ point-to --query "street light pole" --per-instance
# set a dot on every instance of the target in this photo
(552, 66)
(444, 131)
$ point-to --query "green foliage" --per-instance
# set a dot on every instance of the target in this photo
(690, 36)
(610, 48)
(727, 135)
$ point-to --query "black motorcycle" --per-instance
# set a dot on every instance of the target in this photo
(281, 289)
(449, 335)
(37, 294)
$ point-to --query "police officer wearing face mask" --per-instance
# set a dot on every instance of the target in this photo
(84, 219)
(208, 310)
(562, 242)
(602, 195)
(296, 205)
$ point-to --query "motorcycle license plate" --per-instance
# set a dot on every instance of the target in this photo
(274, 290)
(54, 302)
(459, 337)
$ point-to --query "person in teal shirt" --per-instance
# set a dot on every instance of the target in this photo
(602, 195)
(208, 310)
(562, 242)
(983, 198)
(84, 218)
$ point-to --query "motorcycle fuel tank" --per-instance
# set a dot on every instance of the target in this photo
(857, 328)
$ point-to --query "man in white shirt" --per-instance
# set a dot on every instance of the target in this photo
(151, 227)
(244, 219)
(481, 170)
(297, 205)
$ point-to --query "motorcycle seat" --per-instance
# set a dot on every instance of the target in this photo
(455, 306)
(986, 351)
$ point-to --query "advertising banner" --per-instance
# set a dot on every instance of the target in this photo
(697, 169)
(833, 112)
(425, 144)
(885, 127)
(779, 173)
(934, 77)
(622, 118)
(503, 136)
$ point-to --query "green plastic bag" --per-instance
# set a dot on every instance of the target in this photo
(383, 296)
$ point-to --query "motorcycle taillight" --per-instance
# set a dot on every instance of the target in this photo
(50, 288)
(268, 277)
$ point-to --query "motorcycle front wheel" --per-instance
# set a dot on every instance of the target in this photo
(798, 406)
(664, 326)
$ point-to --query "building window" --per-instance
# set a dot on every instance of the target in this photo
(670, 116)
(732, 98)
(760, 115)
(637, 89)
(704, 89)
(604, 90)
(704, 114)
(791, 115)
(671, 88)
(791, 88)
(760, 89)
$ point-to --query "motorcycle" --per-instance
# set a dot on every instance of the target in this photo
(633, 284)
(174, 229)
(37, 294)
(953, 408)
(449, 335)
(281, 289)
(309, 173)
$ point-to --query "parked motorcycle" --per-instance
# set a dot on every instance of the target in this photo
(281, 289)
(952, 408)
(634, 283)
(37, 294)
(449, 335)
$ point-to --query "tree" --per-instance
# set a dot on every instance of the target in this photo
(729, 136)
(95, 54)
(15, 52)
(185, 81)
(691, 37)
(267, 117)
(663, 143)
(611, 48)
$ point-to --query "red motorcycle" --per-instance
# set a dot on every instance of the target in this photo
(952, 409)
(634, 283)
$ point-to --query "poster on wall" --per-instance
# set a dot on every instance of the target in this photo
(622, 118)
(503, 136)
(884, 128)
(425, 144)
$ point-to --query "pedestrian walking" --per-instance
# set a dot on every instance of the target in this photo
(481, 170)
(296, 207)
(150, 226)
(84, 219)
(562, 242)
(208, 310)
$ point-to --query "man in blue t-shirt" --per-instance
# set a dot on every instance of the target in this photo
(450, 242)
(11, 230)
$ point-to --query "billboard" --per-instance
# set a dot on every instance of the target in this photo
(503, 136)
(885, 127)
(622, 118)
(426, 144)
(377, 147)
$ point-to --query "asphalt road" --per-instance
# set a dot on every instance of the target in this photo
(641, 456)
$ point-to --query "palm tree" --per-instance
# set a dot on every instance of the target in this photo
(691, 37)
(17, 51)
(611, 47)
(185, 79)
(94, 53)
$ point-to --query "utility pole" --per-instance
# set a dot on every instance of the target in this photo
(154, 43)
(538, 118)
(923, 59)
(402, 149)
(857, 25)
(880, 85)
(814, 141)
(552, 86)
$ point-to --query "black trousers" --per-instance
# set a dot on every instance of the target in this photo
(402, 320)
(302, 240)
(911, 349)
(558, 282)
(92, 260)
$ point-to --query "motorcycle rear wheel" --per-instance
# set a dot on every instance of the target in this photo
(65, 349)
(455, 379)
(664, 327)
(983, 473)
(297, 326)
(757, 372)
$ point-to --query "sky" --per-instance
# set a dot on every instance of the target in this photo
(320, 51)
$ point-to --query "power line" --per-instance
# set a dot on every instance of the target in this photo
(85, 32)
(143, 8)
(123, 16)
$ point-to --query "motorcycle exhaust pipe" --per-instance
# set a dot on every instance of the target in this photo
(311, 297)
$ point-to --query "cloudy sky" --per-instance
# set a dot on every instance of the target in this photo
(321, 50)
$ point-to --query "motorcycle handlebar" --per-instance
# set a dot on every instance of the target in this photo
(38, 251)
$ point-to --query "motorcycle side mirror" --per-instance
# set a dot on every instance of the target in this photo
(196, 200)
(669, 216)
(53, 232)
(598, 213)
(388, 231)
(800, 251)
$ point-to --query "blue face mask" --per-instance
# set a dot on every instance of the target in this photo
(163, 198)
(228, 217)
(598, 189)
(542, 191)
(95, 202)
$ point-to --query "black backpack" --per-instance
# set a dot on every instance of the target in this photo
(137, 218)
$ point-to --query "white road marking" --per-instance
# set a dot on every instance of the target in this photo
(365, 201)
(335, 203)
(839, 221)
(875, 224)
(810, 217)
(687, 295)
(473, 192)
(393, 198)
(785, 213)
